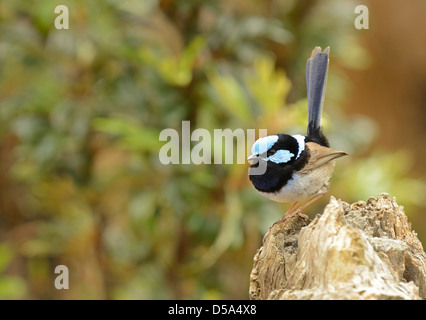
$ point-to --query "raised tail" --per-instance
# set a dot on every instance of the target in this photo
(316, 80)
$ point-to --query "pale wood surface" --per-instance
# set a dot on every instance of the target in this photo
(366, 250)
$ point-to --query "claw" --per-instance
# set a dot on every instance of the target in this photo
(291, 213)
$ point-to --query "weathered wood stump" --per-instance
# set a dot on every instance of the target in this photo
(365, 250)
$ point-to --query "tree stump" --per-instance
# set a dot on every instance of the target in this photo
(365, 250)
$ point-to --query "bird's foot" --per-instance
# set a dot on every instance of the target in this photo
(292, 214)
(286, 216)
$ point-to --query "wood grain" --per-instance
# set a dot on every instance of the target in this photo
(366, 250)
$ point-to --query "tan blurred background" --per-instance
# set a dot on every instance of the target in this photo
(392, 90)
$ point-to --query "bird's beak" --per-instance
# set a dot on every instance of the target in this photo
(254, 158)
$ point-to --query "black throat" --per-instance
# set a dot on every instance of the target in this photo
(277, 175)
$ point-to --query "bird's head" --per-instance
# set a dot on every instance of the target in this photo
(279, 149)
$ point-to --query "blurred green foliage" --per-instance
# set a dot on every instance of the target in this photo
(81, 112)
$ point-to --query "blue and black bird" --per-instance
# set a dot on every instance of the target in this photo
(298, 167)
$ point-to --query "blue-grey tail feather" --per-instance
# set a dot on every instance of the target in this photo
(316, 80)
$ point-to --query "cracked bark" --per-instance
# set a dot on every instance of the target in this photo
(365, 250)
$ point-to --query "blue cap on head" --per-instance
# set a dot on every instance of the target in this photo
(262, 145)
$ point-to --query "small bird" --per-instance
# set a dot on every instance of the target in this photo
(298, 167)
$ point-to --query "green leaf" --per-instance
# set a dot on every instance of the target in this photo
(268, 86)
(12, 287)
(131, 135)
(6, 256)
(231, 95)
(174, 69)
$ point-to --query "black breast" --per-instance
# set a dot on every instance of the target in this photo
(273, 179)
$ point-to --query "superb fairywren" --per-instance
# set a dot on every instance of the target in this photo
(298, 167)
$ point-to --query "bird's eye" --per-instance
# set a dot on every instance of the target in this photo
(271, 152)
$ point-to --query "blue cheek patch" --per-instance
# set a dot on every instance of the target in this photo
(281, 156)
(262, 145)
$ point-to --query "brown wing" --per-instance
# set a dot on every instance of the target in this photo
(320, 156)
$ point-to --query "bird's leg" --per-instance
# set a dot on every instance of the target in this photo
(291, 208)
(298, 211)
(291, 212)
